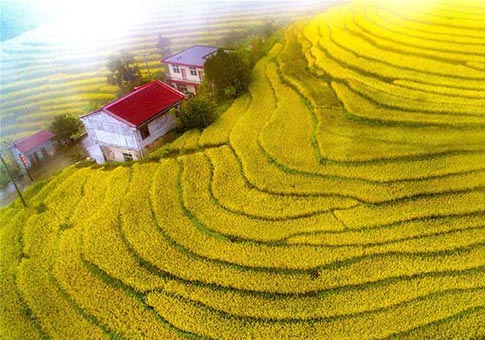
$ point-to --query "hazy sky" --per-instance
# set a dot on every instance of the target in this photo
(80, 19)
(74, 6)
(89, 10)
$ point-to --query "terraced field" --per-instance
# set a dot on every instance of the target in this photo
(47, 73)
(343, 197)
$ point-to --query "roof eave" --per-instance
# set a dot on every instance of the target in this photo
(115, 116)
(90, 113)
(183, 64)
(159, 113)
(105, 108)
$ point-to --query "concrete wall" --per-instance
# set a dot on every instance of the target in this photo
(157, 128)
(116, 138)
(117, 154)
(104, 129)
(197, 78)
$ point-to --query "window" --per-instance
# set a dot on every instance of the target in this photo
(145, 133)
(175, 69)
(182, 88)
(127, 156)
(193, 72)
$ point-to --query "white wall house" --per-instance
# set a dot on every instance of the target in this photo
(126, 128)
(186, 68)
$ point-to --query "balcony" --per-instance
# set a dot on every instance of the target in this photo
(178, 78)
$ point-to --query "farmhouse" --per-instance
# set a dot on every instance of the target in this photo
(186, 68)
(125, 128)
(33, 150)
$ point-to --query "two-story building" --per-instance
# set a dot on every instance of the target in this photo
(126, 128)
(186, 68)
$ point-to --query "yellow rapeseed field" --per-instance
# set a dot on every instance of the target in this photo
(342, 197)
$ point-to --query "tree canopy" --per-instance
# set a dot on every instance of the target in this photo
(228, 73)
(14, 169)
(124, 72)
(196, 113)
(66, 127)
(164, 45)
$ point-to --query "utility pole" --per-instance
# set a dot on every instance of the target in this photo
(13, 181)
(24, 163)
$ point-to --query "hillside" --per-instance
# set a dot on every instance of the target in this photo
(343, 197)
(60, 68)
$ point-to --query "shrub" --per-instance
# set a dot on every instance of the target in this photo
(196, 113)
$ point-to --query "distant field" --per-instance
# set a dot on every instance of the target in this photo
(343, 197)
(43, 76)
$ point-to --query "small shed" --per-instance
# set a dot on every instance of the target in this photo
(33, 150)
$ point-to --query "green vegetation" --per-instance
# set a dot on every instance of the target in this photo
(13, 170)
(227, 74)
(67, 128)
(43, 76)
(195, 113)
(324, 203)
(124, 72)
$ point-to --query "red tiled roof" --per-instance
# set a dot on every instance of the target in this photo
(34, 141)
(144, 102)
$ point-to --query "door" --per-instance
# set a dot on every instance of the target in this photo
(37, 158)
(184, 73)
(32, 160)
(44, 153)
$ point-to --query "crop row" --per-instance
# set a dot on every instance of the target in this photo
(404, 116)
(70, 264)
(434, 18)
(361, 47)
(369, 63)
(289, 216)
(393, 22)
(218, 132)
(121, 313)
(230, 188)
(336, 134)
(206, 321)
(333, 169)
(359, 106)
(388, 36)
(55, 315)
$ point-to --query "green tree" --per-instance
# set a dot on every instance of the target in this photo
(164, 45)
(67, 128)
(195, 113)
(228, 73)
(93, 105)
(268, 28)
(124, 72)
(14, 170)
